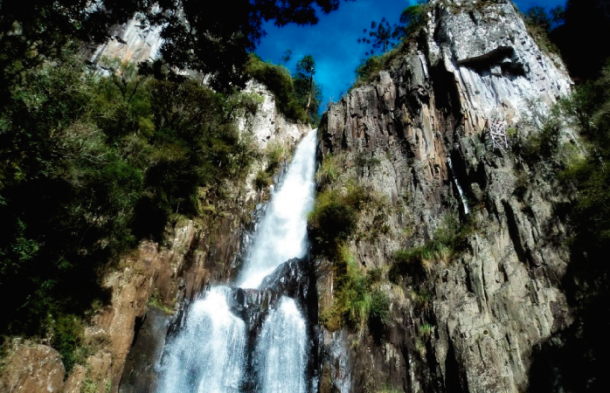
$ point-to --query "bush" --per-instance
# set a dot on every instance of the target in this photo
(334, 217)
(416, 262)
(357, 303)
(334, 221)
(329, 170)
(279, 81)
(262, 180)
(68, 340)
(275, 155)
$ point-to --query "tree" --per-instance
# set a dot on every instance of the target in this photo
(210, 37)
(585, 23)
(537, 16)
(287, 56)
(380, 36)
(384, 36)
(411, 19)
(306, 68)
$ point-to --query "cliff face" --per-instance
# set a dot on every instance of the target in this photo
(470, 319)
(130, 42)
(150, 288)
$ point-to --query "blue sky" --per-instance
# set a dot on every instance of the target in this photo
(332, 42)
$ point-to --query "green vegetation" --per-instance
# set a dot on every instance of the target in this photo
(34, 32)
(417, 262)
(329, 170)
(358, 302)
(157, 303)
(274, 155)
(298, 97)
(578, 28)
(68, 339)
(334, 217)
(382, 35)
(578, 352)
(262, 180)
(369, 69)
(89, 165)
(412, 19)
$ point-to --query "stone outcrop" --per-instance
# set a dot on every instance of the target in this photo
(31, 368)
(471, 322)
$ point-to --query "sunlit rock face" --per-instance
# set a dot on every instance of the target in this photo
(473, 323)
(31, 368)
(130, 42)
(497, 66)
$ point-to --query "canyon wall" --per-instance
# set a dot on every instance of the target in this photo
(418, 136)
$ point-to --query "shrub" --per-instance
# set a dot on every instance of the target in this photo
(329, 170)
(334, 221)
(68, 340)
(416, 262)
(275, 155)
(334, 217)
(279, 81)
(262, 180)
(357, 304)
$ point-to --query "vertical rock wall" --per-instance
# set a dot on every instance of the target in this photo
(472, 322)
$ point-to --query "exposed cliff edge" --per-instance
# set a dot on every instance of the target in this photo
(465, 317)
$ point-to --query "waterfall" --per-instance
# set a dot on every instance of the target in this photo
(283, 229)
(281, 350)
(459, 187)
(209, 354)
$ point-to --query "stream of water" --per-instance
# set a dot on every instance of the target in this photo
(208, 354)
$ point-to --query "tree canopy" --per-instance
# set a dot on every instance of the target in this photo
(384, 36)
(210, 37)
(580, 38)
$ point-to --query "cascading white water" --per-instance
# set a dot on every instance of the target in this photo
(281, 350)
(208, 355)
(283, 230)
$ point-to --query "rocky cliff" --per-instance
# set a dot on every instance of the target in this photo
(467, 315)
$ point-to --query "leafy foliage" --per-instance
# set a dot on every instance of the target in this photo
(412, 19)
(381, 35)
(358, 303)
(334, 217)
(89, 166)
(292, 94)
(210, 37)
(308, 92)
(369, 69)
(384, 36)
(577, 353)
(580, 26)
(416, 262)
